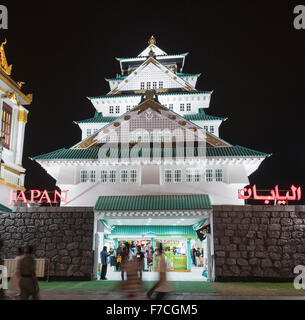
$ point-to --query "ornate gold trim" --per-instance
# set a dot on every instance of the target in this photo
(12, 170)
(3, 182)
(22, 116)
(3, 61)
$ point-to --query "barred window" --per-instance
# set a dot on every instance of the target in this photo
(178, 175)
(133, 175)
(117, 109)
(167, 176)
(181, 106)
(124, 176)
(209, 174)
(154, 85)
(188, 107)
(147, 85)
(189, 175)
(142, 85)
(103, 176)
(112, 176)
(111, 110)
(83, 176)
(92, 176)
(218, 175)
(161, 84)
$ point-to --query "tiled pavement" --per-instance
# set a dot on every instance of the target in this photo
(102, 295)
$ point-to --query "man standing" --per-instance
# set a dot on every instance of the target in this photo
(28, 281)
(140, 262)
(104, 256)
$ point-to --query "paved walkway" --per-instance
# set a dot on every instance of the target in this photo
(101, 295)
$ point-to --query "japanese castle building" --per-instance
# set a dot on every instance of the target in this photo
(151, 161)
(13, 121)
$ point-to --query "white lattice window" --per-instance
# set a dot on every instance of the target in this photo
(178, 175)
(197, 175)
(218, 175)
(148, 85)
(133, 175)
(103, 176)
(111, 109)
(209, 175)
(83, 176)
(189, 175)
(117, 109)
(124, 176)
(167, 176)
(160, 84)
(88, 132)
(112, 176)
(142, 85)
(127, 108)
(188, 107)
(95, 130)
(181, 106)
(171, 106)
(92, 176)
(155, 85)
(212, 129)
(206, 128)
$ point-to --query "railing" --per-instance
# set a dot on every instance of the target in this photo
(11, 177)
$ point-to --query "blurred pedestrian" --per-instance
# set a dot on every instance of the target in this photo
(161, 287)
(16, 277)
(133, 284)
(28, 281)
(124, 261)
(140, 262)
(104, 256)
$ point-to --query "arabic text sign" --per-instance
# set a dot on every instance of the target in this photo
(248, 193)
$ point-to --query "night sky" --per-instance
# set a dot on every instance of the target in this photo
(248, 53)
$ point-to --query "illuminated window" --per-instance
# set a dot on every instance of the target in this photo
(209, 174)
(161, 84)
(111, 109)
(212, 129)
(154, 85)
(83, 176)
(218, 175)
(112, 176)
(92, 176)
(103, 176)
(133, 175)
(197, 176)
(6, 125)
(189, 175)
(124, 176)
(182, 107)
(88, 132)
(142, 85)
(117, 109)
(188, 107)
(177, 175)
(167, 176)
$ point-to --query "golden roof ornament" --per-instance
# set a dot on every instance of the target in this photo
(151, 54)
(3, 62)
(152, 41)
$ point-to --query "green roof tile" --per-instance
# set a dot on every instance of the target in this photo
(147, 203)
(93, 154)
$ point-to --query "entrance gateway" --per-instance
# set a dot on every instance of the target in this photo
(148, 220)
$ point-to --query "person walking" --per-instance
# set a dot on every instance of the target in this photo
(16, 277)
(124, 261)
(104, 256)
(28, 281)
(140, 262)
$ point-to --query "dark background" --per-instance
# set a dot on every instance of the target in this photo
(248, 53)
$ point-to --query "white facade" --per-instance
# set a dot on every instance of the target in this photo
(220, 173)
